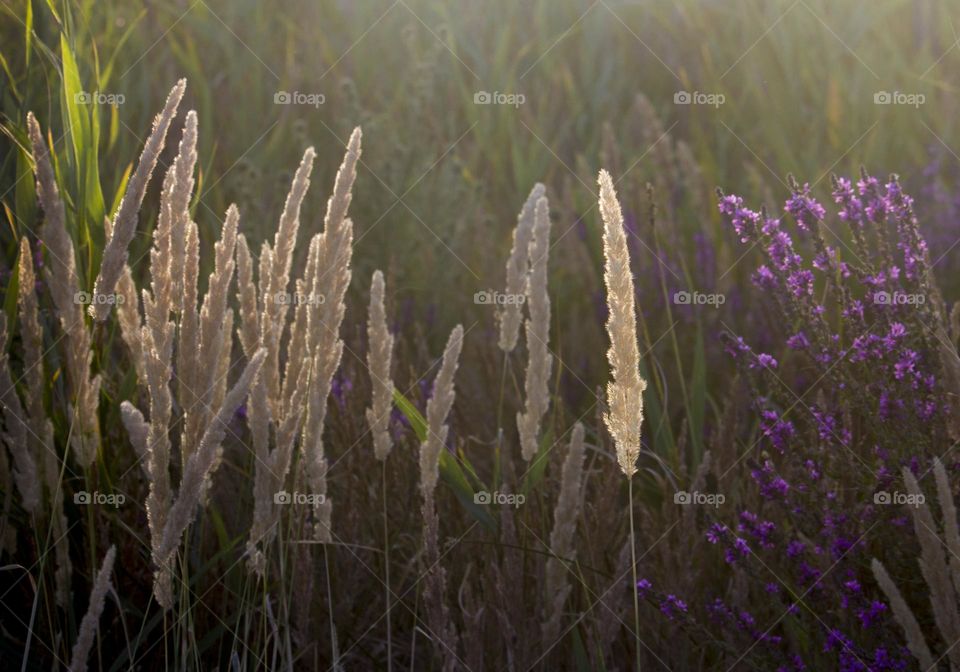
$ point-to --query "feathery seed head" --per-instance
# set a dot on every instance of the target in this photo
(904, 616)
(438, 407)
(197, 468)
(15, 421)
(625, 391)
(380, 344)
(537, 382)
(511, 314)
(91, 620)
(125, 221)
(562, 545)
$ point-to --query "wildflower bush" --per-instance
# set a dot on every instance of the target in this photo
(498, 336)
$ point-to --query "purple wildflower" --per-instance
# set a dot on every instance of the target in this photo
(806, 210)
(672, 605)
(643, 587)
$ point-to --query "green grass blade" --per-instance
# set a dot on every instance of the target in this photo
(413, 416)
(84, 131)
(539, 465)
(25, 196)
(28, 34)
(451, 472)
(698, 398)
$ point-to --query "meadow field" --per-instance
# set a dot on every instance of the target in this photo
(479, 335)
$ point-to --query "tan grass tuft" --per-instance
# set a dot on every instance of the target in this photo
(904, 616)
(511, 315)
(380, 346)
(562, 546)
(625, 391)
(934, 568)
(60, 274)
(125, 221)
(39, 428)
(540, 362)
(323, 343)
(951, 532)
(25, 468)
(91, 620)
(438, 407)
(198, 467)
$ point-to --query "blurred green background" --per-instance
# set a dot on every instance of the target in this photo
(798, 78)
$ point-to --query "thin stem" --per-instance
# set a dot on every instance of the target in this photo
(633, 555)
(386, 564)
(91, 526)
(334, 649)
(503, 384)
(413, 635)
(264, 625)
(676, 344)
(496, 456)
(33, 609)
(166, 638)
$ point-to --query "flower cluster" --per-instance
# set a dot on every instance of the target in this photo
(849, 392)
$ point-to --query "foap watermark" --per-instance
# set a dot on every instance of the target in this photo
(498, 98)
(898, 299)
(684, 498)
(298, 98)
(84, 498)
(93, 299)
(284, 497)
(899, 498)
(698, 299)
(698, 98)
(899, 98)
(299, 299)
(502, 498)
(492, 298)
(98, 98)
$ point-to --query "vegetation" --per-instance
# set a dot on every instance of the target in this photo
(271, 273)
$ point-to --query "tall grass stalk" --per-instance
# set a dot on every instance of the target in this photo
(625, 392)
(562, 546)
(64, 285)
(438, 408)
(91, 620)
(379, 353)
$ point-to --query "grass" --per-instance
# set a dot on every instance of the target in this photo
(439, 187)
